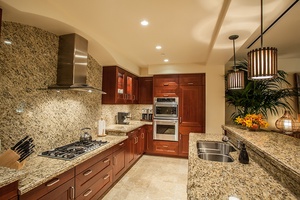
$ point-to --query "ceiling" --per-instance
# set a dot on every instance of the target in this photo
(190, 32)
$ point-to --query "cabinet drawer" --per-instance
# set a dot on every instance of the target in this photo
(82, 167)
(171, 91)
(164, 147)
(9, 191)
(90, 175)
(48, 186)
(103, 181)
(165, 80)
(192, 79)
(119, 146)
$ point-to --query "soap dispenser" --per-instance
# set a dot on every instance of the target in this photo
(243, 157)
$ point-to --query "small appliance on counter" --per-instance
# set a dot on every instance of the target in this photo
(14, 157)
(147, 114)
(122, 117)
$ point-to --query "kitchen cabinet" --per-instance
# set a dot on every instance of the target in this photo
(121, 86)
(165, 148)
(119, 165)
(191, 108)
(94, 176)
(145, 90)
(135, 149)
(148, 138)
(9, 191)
(60, 187)
(165, 85)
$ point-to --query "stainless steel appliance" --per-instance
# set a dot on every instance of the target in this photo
(165, 122)
(73, 150)
(166, 107)
(165, 129)
(122, 117)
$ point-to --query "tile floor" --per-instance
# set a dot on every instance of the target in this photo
(153, 178)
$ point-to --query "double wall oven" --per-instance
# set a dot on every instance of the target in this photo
(165, 120)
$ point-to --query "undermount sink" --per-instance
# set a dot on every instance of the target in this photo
(215, 157)
(215, 151)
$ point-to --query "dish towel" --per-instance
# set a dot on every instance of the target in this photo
(101, 128)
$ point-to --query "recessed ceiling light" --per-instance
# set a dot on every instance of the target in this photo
(158, 47)
(144, 23)
(166, 60)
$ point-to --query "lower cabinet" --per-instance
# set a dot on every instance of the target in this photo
(9, 191)
(165, 147)
(148, 138)
(60, 187)
(119, 164)
(183, 141)
(135, 146)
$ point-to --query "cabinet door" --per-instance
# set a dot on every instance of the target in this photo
(149, 139)
(165, 85)
(140, 142)
(184, 139)
(119, 161)
(146, 90)
(192, 79)
(192, 106)
(121, 86)
(63, 192)
(135, 96)
(9, 191)
(131, 148)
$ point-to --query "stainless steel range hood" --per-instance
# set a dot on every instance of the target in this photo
(72, 64)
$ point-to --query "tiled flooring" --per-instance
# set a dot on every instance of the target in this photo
(153, 178)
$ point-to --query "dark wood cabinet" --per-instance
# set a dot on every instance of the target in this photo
(191, 108)
(9, 191)
(121, 86)
(119, 165)
(60, 187)
(145, 90)
(165, 85)
(135, 146)
(165, 148)
(148, 139)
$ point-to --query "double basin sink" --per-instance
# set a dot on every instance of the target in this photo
(215, 151)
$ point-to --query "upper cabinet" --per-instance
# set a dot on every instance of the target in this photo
(165, 85)
(145, 90)
(121, 86)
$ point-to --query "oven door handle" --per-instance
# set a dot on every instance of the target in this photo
(165, 121)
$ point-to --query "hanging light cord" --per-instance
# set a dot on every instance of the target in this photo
(261, 26)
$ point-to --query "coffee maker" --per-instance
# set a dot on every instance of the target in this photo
(123, 117)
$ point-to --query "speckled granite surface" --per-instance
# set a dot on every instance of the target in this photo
(216, 180)
(39, 170)
(279, 154)
(122, 129)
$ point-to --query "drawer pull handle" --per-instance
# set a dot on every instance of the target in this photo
(72, 193)
(190, 83)
(166, 84)
(106, 177)
(87, 193)
(165, 95)
(106, 160)
(88, 172)
(121, 144)
(165, 146)
(52, 182)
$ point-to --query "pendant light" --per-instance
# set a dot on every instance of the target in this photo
(235, 79)
(262, 62)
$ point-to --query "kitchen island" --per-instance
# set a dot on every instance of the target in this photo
(217, 180)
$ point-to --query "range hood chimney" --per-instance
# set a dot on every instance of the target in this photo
(72, 64)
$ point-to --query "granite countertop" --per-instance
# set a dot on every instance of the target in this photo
(216, 180)
(39, 170)
(122, 129)
(282, 149)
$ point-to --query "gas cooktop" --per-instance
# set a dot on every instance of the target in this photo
(73, 150)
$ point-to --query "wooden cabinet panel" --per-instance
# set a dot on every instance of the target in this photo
(165, 85)
(184, 139)
(192, 79)
(165, 147)
(9, 191)
(119, 166)
(121, 86)
(146, 90)
(49, 186)
(63, 192)
(149, 138)
(102, 182)
(192, 106)
(131, 148)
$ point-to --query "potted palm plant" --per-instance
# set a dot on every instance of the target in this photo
(260, 97)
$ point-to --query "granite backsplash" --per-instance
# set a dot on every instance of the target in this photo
(50, 118)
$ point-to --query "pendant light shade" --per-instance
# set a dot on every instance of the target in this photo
(262, 62)
(235, 79)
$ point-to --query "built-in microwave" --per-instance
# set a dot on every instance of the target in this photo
(165, 129)
(165, 107)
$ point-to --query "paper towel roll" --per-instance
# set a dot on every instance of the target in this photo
(101, 128)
